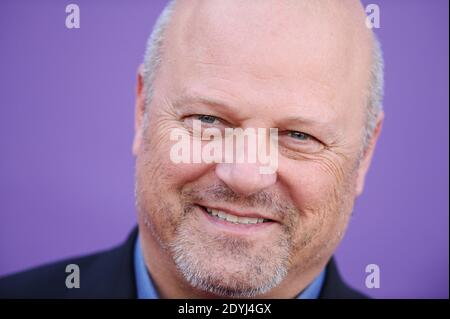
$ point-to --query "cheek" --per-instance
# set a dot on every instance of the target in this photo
(323, 198)
(157, 164)
(159, 183)
(326, 179)
(325, 205)
(310, 187)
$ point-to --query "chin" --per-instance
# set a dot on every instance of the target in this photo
(228, 267)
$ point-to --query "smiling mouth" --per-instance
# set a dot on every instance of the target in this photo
(241, 220)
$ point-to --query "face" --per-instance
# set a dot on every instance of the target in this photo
(225, 228)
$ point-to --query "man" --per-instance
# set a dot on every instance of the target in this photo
(310, 69)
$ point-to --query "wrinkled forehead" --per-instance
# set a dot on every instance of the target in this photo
(317, 41)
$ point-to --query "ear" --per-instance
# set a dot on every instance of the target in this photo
(139, 111)
(367, 157)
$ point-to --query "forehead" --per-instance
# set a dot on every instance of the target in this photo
(285, 52)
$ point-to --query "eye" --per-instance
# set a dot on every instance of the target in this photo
(206, 121)
(296, 142)
(209, 119)
(299, 135)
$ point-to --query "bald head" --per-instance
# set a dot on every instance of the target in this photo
(276, 30)
(323, 41)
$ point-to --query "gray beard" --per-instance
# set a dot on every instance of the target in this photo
(194, 253)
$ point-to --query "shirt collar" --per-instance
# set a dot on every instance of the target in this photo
(146, 288)
(144, 284)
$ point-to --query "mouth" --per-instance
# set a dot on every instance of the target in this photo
(220, 214)
(226, 220)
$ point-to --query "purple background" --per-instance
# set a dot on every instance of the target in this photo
(66, 127)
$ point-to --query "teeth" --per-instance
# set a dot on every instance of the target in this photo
(233, 218)
(222, 214)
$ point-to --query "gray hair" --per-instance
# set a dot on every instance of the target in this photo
(153, 52)
(375, 91)
(153, 55)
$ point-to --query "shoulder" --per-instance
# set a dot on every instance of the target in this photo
(106, 274)
(335, 287)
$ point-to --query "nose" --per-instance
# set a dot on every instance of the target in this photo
(244, 178)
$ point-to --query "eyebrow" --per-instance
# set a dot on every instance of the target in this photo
(194, 98)
(305, 121)
(316, 123)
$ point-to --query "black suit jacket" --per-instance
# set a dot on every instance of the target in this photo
(110, 274)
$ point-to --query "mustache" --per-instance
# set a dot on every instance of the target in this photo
(262, 200)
